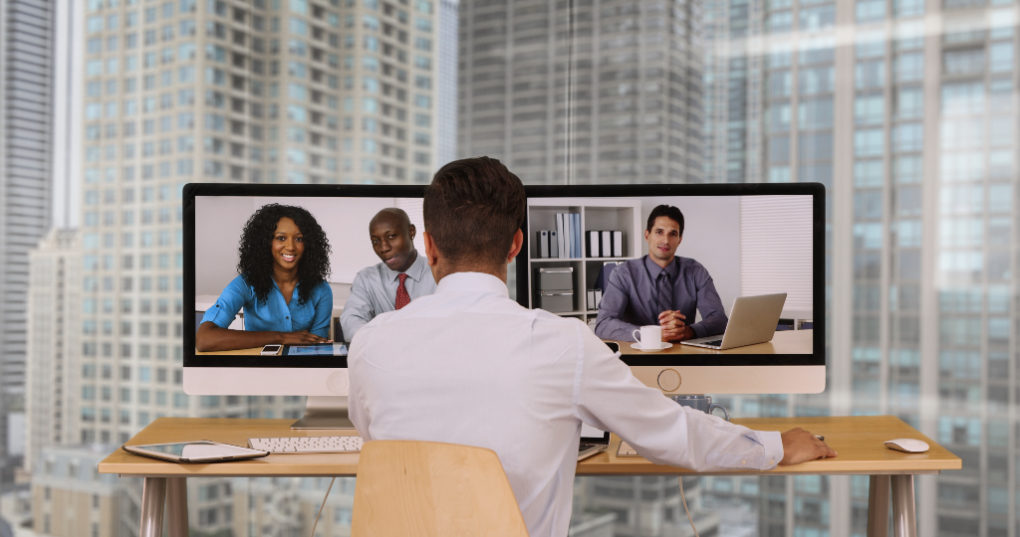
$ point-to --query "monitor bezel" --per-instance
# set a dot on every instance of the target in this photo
(816, 190)
(636, 358)
(283, 191)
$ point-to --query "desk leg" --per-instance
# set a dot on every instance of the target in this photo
(153, 498)
(177, 506)
(878, 506)
(904, 513)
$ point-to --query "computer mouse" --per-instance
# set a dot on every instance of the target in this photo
(907, 445)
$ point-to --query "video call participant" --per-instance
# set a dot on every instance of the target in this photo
(402, 276)
(283, 265)
(468, 365)
(661, 288)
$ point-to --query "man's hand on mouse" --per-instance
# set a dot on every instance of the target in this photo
(801, 446)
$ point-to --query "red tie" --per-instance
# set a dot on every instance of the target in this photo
(403, 298)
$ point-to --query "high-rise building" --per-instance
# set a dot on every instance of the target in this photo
(70, 499)
(223, 91)
(303, 91)
(26, 94)
(610, 94)
(54, 315)
(921, 99)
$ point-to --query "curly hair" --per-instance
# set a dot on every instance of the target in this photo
(255, 262)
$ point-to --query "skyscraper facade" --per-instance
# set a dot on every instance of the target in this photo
(608, 92)
(300, 91)
(26, 95)
(308, 92)
(54, 315)
(906, 110)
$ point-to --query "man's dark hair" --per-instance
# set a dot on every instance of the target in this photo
(668, 211)
(473, 208)
(255, 257)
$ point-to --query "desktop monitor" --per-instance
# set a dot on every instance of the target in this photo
(214, 216)
(753, 239)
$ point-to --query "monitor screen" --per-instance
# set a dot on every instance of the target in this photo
(215, 217)
(751, 240)
(762, 244)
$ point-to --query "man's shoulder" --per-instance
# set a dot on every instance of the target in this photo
(371, 272)
(627, 270)
(689, 263)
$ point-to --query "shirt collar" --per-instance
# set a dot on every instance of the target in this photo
(654, 269)
(415, 271)
(475, 282)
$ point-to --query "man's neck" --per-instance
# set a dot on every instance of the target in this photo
(662, 264)
(444, 269)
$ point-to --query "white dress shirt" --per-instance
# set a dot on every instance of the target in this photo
(468, 365)
(375, 291)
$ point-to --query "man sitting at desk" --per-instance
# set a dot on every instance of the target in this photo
(661, 288)
(402, 276)
(468, 365)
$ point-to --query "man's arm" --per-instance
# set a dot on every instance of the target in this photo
(356, 407)
(609, 397)
(358, 310)
(609, 324)
(713, 316)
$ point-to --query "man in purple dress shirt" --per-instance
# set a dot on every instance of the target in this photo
(661, 288)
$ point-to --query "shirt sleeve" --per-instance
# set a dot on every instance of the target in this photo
(610, 397)
(230, 301)
(713, 316)
(323, 310)
(357, 409)
(358, 309)
(609, 323)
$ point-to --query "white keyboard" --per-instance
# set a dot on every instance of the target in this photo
(307, 444)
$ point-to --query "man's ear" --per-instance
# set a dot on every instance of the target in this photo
(646, 234)
(411, 230)
(515, 245)
(431, 252)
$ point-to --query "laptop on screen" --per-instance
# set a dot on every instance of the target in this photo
(753, 319)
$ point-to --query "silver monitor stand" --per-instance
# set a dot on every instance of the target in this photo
(324, 412)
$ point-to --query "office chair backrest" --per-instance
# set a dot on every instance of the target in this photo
(432, 489)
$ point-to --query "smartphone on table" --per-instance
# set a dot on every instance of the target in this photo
(272, 350)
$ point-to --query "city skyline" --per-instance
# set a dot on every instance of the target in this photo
(905, 110)
(26, 65)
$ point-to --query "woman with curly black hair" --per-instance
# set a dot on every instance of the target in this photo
(284, 262)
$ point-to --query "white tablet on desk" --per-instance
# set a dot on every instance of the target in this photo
(196, 451)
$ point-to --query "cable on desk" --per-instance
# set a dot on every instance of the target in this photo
(319, 514)
(686, 510)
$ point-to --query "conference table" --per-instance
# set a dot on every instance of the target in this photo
(858, 440)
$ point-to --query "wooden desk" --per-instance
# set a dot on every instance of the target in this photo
(858, 440)
(783, 342)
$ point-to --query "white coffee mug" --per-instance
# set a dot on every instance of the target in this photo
(650, 336)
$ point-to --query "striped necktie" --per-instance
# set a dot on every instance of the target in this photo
(664, 292)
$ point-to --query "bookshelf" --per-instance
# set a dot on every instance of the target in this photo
(599, 214)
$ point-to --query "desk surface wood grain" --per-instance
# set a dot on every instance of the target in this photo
(858, 440)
